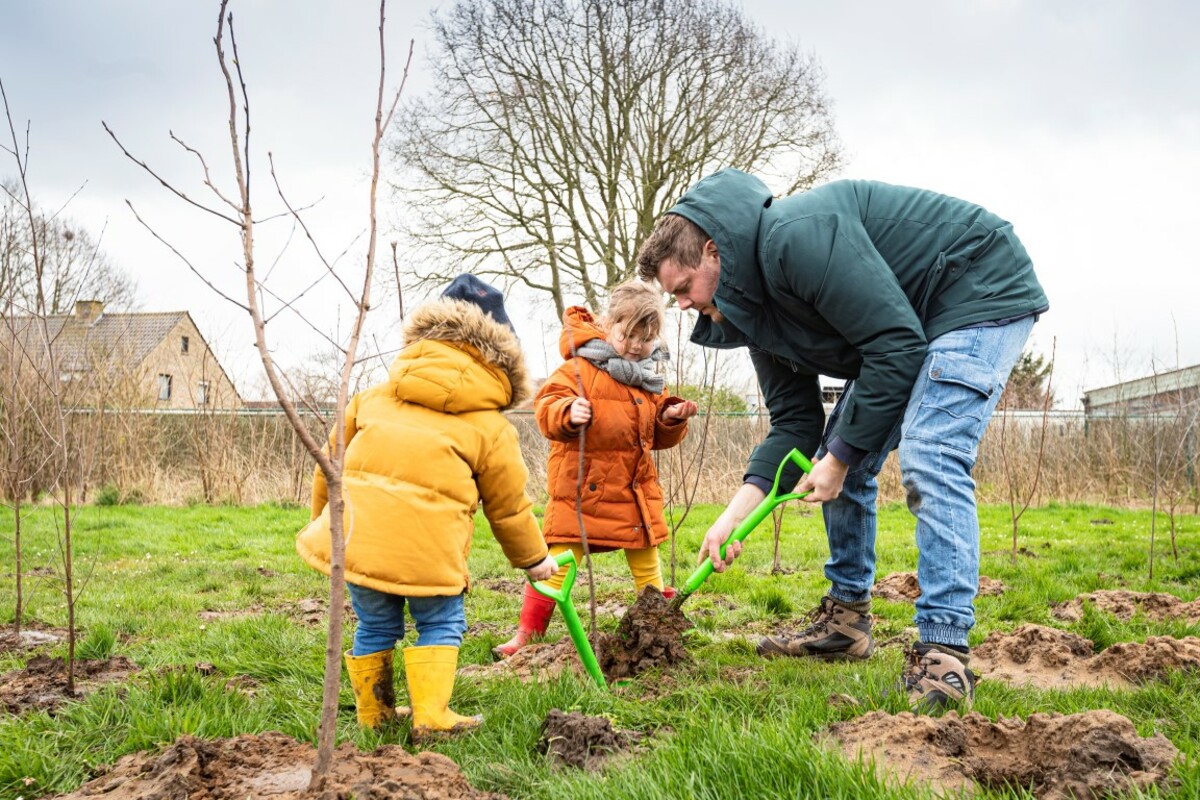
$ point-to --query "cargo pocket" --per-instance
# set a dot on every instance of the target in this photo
(956, 402)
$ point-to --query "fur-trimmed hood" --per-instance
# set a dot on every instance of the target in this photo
(456, 358)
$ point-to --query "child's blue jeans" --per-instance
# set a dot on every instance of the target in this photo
(439, 620)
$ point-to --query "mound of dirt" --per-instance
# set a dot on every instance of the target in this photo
(902, 587)
(1125, 605)
(33, 634)
(277, 766)
(1048, 658)
(650, 635)
(533, 662)
(42, 685)
(1093, 754)
(580, 741)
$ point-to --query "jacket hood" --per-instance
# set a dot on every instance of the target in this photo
(456, 358)
(729, 205)
(579, 328)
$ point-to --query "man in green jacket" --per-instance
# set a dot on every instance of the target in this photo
(923, 303)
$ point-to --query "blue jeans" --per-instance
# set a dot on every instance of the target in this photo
(938, 437)
(439, 620)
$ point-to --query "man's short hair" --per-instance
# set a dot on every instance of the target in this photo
(673, 237)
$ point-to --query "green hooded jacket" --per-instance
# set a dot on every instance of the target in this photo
(850, 280)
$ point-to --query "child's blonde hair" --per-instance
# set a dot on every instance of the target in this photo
(638, 306)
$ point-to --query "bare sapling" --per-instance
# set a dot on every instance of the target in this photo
(43, 443)
(1018, 501)
(238, 212)
(683, 479)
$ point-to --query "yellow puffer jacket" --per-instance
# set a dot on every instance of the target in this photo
(422, 451)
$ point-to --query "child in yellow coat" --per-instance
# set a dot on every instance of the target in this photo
(422, 451)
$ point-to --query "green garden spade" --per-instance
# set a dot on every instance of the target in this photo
(562, 596)
(743, 529)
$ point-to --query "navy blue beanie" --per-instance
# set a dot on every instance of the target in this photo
(468, 288)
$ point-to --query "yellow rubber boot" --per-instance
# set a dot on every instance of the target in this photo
(374, 694)
(430, 673)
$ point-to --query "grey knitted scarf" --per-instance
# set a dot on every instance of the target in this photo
(631, 373)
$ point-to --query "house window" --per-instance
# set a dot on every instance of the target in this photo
(183, 346)
(164, 387)
(202, 393)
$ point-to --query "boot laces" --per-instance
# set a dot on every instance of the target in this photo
(817, 619)
(915, 669)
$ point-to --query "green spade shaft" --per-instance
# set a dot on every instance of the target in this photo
(562, 596)
(748, 524)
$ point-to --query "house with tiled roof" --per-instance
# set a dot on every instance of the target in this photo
(157, 360)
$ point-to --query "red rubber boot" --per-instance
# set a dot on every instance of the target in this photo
(536, 611)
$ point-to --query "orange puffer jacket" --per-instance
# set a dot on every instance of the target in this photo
(622, 502)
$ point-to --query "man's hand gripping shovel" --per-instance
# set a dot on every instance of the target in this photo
(743, 529)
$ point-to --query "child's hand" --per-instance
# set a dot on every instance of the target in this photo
(581, 413)
(687, 408)
(544, 570)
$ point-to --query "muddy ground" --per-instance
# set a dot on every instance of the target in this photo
(1126, 605)
(31, 636)
(1093, 754)
(1048, 658)
(42, 684)
(583, 742)
(275, 766)
(902, 587)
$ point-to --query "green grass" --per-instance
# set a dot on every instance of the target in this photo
(173, 587)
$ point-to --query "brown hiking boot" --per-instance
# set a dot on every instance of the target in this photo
(834, 633)
(936, 678)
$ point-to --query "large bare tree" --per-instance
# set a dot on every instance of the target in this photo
(557, 131)
(70, 266)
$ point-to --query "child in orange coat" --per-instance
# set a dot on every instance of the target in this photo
(624, 407)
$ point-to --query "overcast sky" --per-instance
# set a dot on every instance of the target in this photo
(1077, 120)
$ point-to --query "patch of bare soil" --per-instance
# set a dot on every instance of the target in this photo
(650, 635)
(1093, 754)
(902, 587)
(213, 616)
(42, 685)
(533, 662)
(1048, 658)
(314, 612)
(580, 741)
(277, 766)
(1125, 605)
(33, 634)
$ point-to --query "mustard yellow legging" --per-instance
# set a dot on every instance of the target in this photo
(643, 565)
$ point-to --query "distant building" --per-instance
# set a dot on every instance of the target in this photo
(830, 394)
(1165, 392)
(155, 360)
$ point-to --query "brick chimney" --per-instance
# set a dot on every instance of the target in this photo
(89, 310)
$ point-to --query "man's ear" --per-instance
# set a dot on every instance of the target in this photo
(710, 248)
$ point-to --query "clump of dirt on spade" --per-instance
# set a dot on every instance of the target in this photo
(42, 684)
(271, 765)
(1048, 658)
(650, 635)
(902, 587)
(580, 741)
(1125, 605)
(1056, 756)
